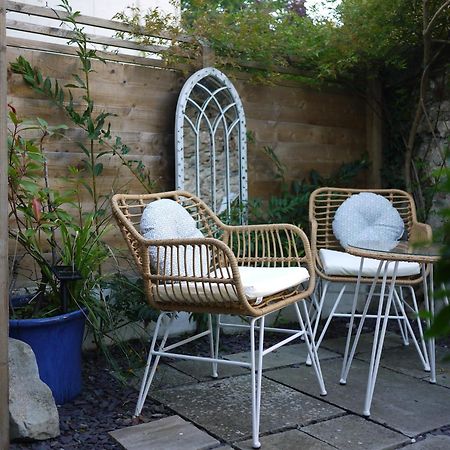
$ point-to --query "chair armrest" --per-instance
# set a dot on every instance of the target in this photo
(269, 244)
(216, 252)
(420, 233)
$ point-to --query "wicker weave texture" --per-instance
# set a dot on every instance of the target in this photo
(324, 203)
(216, 286)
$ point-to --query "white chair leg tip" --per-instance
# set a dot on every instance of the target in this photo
(323, 393)
(366, 413)
(256, 445)
(342, 382)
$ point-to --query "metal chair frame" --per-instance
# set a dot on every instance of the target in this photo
(323, 204)
(229, 247)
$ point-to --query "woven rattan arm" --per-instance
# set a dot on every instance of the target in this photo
(420, 233)
(215, 284)
(271, 245)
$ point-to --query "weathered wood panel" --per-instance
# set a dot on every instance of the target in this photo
(307, 129)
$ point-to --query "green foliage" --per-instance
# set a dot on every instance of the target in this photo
(365, 37)
(48, 220)
(441, 323)
(292, 205)
(128, 300)
(42, 221)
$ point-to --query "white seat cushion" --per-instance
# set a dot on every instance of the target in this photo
(265, 281)
(367, 216)
(344, 264)
(166, 219)
(256, 281)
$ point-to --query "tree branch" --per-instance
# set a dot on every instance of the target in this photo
(435, 17)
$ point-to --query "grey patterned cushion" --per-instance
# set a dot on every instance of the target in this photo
(367, 216)
(167, 219)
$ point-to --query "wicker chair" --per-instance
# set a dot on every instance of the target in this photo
(218, 284)
(323, 205)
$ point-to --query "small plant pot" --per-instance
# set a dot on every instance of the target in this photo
(56, 343)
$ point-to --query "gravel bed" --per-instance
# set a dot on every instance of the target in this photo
(103, 405)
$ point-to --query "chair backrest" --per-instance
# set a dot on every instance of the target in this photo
(324, 202)
(128, 209)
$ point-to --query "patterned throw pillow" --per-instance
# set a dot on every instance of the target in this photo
(367, 216)
(167, 219)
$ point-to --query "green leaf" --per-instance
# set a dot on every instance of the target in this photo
(98, 169)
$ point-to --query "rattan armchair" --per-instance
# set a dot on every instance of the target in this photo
(217, 285)
(323, 204)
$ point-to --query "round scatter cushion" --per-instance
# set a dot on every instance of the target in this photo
(367, 216)
(164, 220)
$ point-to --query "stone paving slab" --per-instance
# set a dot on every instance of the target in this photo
(284, 356)
(392, 340)
(170, 433)
(223, 407)
(202, 370)
(352, 432)
(287, 440)
(165, 377)
(432, 442)
(406, 360)
(406, 404)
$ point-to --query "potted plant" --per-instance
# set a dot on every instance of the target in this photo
(62, 247)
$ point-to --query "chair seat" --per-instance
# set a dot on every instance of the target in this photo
(344, 264)
(266, 281)
(257, 282)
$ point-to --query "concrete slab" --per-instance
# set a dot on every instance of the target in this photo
(352, 432)
(392, 340)
(287, 440)
(165, 377)
(285, 356)
(406, 404)
(202, 371)
(223, 407)
(170, 433)
(431, 442)
(406, 360)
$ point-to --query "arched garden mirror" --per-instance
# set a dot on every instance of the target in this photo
(211, 147)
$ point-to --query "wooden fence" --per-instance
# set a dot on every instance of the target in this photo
(306, 128)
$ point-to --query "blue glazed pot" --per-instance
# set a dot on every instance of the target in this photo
(56, 342)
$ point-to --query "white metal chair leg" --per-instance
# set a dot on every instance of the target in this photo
(378, 341)
(151, 366)
(429, 305)
(211, 346)
(255, 389)
(319, 308)
(422, 354)
(312, 350)
(419, 326)
(401, 318)
(327, 323)
(330, 317)
(348, 358)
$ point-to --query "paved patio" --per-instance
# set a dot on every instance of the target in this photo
(215, 414)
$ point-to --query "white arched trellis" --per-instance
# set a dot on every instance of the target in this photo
(210, 139)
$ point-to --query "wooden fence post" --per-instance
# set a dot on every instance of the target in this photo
(208, 56)
(374, 130)
(4, 384)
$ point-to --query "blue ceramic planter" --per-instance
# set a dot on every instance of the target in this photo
(56, 342)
